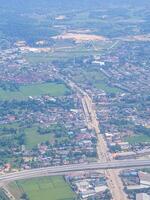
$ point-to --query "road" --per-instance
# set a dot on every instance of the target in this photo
(114, 45)
(65, 169)
(114, 182)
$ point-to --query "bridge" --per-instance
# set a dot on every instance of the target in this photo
(65, 169)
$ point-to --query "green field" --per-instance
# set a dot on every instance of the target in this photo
(107, 88)
(53, 89)
(90, 76)
(67, 51)
(33, 138)
(138, 139)
(46, 188)
(60, 55)
(95, 78)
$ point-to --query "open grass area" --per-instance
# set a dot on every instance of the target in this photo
(46, 188)
(33, 138)
(96, 78)
(63, 54)
(65, 50)
(108, 89)
(91, 76)
(138, 139)
(53, 89)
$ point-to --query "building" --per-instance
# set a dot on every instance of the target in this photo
(142, 196)
(144, 178)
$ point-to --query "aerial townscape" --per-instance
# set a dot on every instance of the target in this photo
(74, 100)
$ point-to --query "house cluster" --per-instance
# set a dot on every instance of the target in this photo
(75, 147)
(127, 66)
(90, 185)
(116, 114)
(61, 121)
(137, 184)
(20, 70)
(122, 98)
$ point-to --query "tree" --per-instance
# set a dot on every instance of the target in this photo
(24, 196)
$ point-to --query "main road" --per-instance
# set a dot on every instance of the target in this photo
(65, 169)
(114, 182)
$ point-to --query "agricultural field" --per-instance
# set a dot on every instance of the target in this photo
(90, 76)
(46, 188)
(67, 50)
(138, 139)
(95, 78)
(53, 89)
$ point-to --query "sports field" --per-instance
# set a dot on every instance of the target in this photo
(53, 89)
(46, 188)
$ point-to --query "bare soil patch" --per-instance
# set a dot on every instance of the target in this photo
(80, 37)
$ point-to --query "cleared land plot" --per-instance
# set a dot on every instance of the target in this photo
(52, 89)
(46, 188)
(80, 37)
(138, 139)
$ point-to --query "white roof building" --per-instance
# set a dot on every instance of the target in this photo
(144, 178)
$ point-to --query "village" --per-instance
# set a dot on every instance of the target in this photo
(42, 120)
(120, 113)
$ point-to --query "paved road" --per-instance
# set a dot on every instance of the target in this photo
(114, 181)
(62, 170)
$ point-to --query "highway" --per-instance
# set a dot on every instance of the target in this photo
(114, 181)
(65, 169)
